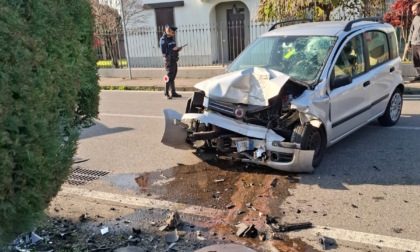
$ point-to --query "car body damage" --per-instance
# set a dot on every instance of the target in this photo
(245, 115)
(293, 92)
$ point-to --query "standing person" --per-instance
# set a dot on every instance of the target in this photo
(170, 57)
(414, 40)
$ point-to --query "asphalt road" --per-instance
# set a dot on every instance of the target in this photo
(368, 185)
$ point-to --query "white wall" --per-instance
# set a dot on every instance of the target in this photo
(197, 11)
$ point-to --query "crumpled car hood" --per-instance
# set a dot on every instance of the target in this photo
(254, 86)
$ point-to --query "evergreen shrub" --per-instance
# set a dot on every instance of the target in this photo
(48, 91)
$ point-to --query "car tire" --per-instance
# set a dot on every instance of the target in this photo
(393, 110)
(310, 138)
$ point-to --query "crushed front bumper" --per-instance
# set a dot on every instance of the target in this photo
(175, 136)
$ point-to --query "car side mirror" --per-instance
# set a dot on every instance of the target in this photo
(341, 80)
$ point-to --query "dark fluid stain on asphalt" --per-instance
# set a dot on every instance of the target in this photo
(246, 193)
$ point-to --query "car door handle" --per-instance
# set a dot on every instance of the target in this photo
(367, 83)
(392, 69)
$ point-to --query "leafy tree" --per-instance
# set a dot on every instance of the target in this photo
(108, 24)
(401, 16)
(107, 28)
(270, 10)
(134, 12)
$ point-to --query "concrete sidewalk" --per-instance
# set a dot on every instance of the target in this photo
(181, 84)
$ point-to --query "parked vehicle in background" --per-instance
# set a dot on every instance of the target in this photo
(293, 92)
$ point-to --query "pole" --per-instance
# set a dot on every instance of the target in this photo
(127, 51)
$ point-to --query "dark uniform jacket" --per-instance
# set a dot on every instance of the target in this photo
(167, 45)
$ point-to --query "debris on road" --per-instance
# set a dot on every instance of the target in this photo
(239, 212)
(325, 241)
(230, 206)
(199, 236)
(246, 230)
(173, 244)
(321, 240)
(241, 229)
(77, 160)
(397, 230)
(274, 182)
(163, 228)
(290, 226)
(172, 237)
(83, 217)
(104, 230)
(173, 220)
(136, 231)
(219, 180)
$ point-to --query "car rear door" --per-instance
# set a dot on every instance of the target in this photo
(384, 67)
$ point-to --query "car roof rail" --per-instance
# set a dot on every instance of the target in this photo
(289, 22)
(350, 23)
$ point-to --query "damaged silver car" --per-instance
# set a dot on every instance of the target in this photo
(292, 93)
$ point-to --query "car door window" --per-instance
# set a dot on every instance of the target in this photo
(378, 48)
(351, 60)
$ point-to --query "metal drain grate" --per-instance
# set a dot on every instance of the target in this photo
(79, 176)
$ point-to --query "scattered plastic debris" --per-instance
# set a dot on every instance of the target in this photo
(246, 230)
(262, 236)
(172, 237)
(290, 226)
(321, 240)
(104, 230)
(163, 228)
(173, 244)
(199, 236)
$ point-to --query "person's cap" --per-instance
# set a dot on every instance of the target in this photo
(172, 27)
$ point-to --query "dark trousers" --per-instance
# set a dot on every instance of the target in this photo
(171, 68)
(416, 57)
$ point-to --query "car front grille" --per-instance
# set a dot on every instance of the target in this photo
(222, 107)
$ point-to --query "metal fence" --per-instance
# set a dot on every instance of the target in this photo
(207, 44)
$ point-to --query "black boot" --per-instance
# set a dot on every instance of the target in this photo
(167, 91)
(174, 93)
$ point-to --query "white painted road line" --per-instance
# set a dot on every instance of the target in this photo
(398, 127)
(367, 238)
(135, 116)
(142, 202)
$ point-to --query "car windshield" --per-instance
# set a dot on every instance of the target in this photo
(300, 57)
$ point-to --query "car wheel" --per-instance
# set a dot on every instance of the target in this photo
(393, 110)
(310, 138)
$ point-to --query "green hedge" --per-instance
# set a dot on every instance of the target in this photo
(48, 91)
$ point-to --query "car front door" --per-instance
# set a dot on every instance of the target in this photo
(349, 102)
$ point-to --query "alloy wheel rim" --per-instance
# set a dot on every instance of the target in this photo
(395, 109)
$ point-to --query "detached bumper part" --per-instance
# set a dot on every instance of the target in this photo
(301, 161)
(281, 155)
(175, 133)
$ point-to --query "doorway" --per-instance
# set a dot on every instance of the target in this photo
(236, 31)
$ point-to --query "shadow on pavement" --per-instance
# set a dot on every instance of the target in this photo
(100, 129)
